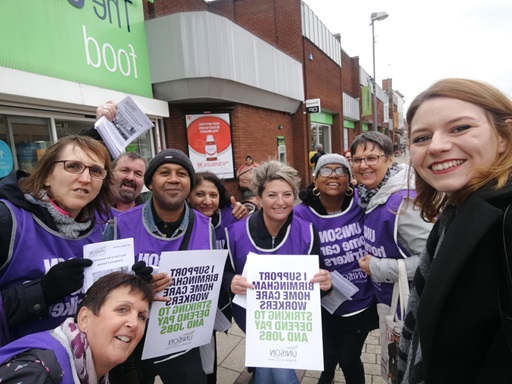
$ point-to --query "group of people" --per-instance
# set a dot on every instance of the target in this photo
(444, 217)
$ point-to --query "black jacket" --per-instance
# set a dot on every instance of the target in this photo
(462, 340)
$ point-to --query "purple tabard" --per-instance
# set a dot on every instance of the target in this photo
(225, 220)
(342, 245)
(240, 243)
(37, 248)
(40, 340)
(381, 238)
(148, 246)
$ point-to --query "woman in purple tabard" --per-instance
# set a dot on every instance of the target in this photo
(332, 207)
(269, 231)
(109, 324)
(393, 228)
(46, 219)
(210, 197)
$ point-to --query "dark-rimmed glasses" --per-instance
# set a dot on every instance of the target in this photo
(369, 160)
(76, 167)
(326, 171)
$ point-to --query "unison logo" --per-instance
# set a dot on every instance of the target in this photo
(284, 352)
(186, 337)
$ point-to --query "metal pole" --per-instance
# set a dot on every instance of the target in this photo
(375, 124)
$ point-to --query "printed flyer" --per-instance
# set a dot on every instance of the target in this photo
(186, 321)
(284, 327)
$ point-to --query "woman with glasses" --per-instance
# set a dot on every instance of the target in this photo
(46, 219)
(331, 205)
(393, 228)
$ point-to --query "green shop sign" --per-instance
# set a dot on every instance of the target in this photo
(95, 42)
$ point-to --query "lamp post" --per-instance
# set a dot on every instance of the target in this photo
(376, 16)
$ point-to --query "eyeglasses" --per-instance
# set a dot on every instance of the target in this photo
(77, 168)
(326, 172)
(369, 160)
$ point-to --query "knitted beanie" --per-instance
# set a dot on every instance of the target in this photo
(172, 156)
(333, 158)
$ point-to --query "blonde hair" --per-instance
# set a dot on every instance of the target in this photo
(275, 170)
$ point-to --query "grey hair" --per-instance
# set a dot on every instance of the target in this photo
(275, 170)
(372, 138)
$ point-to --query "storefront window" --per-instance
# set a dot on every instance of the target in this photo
(321, 134)
(31, 137)
(66, 128)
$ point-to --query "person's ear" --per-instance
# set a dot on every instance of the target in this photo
(82, 319)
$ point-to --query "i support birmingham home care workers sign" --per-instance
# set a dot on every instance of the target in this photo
(284, 328)
(186, 321)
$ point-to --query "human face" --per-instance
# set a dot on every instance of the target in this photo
(128, 180)
(370, 175)
(332, 185)
(69, 191)
(205, 198)
(117, 329)
(277, 201)
(452, 141)
(171, 186)
(248, 161)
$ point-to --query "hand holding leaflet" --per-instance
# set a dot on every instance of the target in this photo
(128, 124)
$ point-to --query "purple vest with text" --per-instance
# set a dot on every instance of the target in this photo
(148, 246)
(342, 245)
(240, 243)
(35, 249)
(381, 238)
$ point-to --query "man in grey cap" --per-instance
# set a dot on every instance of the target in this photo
(167, 223)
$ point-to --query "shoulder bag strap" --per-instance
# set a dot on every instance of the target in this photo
(188, 232)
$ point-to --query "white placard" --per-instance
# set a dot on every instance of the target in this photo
(187, 320)
(107, 257)
(284, 327)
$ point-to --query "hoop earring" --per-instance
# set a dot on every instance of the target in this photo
(350, 192)
(316, 192)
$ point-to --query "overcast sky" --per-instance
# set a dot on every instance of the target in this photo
(421, 42)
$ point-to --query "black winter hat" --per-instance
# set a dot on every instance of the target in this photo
(172, 156)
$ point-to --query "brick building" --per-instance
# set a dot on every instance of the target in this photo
(257, 62)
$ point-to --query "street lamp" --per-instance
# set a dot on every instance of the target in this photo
(376, 16)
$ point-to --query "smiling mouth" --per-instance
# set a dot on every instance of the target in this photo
(124, 339)
(446, 165)
(81, 190)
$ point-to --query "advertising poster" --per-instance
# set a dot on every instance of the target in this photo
(284, 327)
(187, 320)
(209, 144)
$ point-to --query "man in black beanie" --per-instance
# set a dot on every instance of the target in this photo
(167, 223)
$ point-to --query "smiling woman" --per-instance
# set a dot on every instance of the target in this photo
(109, 324)
(461, 151)
(51, 210)
(272, 231)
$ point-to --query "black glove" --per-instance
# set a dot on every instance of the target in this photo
(63, 279)
(142, 271)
